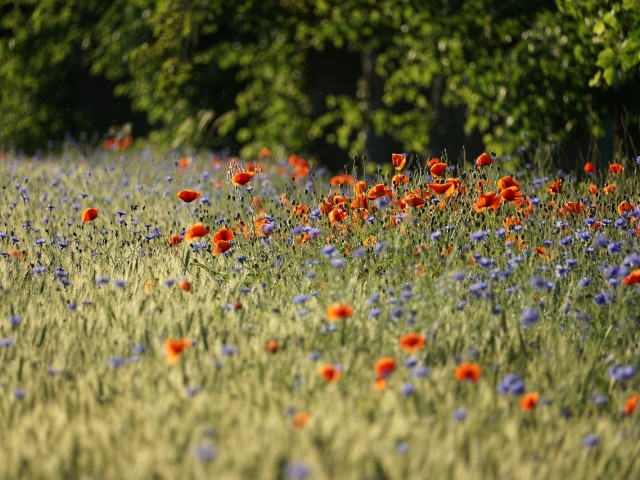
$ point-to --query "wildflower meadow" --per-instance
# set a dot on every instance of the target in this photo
(203, 316)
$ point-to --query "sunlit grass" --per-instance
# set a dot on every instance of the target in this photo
(86, 390)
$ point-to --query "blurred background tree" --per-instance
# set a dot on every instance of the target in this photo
(326, 78)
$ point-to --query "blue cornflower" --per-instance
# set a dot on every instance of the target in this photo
(300, 299)
(6, 342)
(408, 389)
(328, 251)
(601, 298)
(460, 414)
(14, 319)
(599, 400)
(436, 235)
(338, 262)
(403, 448)
(511, 384)
(421, 372)
(477, 288)
(296, 471)
(614, 247)
(622, 372)
(601, 241)
(396, 313)
(479, 236)
(458, 276)
(19, 394)
(590, 441)
(359, 252)
(584, 282)
(228, 350)
(205, 452)
(529, 316)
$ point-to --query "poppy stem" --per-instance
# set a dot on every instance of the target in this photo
(342, 332)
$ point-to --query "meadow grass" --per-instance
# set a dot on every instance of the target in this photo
(87, 391)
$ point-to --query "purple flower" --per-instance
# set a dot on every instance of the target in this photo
(205, 452)
(601, 298)
(408, 389)
(19, 394)
(511, 384)
(300, 299)
(529, 316)
(328, 251)
(584, 282)
(296, 471)
(228, 350)
(460, 414)
(622, 372)
(590, 441)
(14, 319)
(402, 448)
(421, 372)
(338, 262)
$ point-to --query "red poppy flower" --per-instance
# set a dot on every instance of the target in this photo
(339, 311)
(379, 190)
(442, 188)
(616, 168)
(185, 285)
(633, 278)
(195, 231)
(222, 235)
(572, 208)
(330, 373)
(484, 160)
(174, 347)
(242, 178)
(555, 187)
(632, 404)
(89, 215)
(438, 169)
(507, 182)
(221, 247)
(399, 179)
(412, 342)
(624, 207)
(272, 346)
(589, 168)
(398, 160)
(511, 194)
(188, 196)
(414, 200)
(300, 420)
(432, 161)
(384, 367)
(174, 240)
(184, 162)
(487, 200)
(529, 401)
(468, 371)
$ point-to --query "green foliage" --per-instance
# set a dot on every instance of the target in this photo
(246, 74)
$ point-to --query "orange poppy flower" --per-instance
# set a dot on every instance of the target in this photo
(360, 188)
(624, 207)
(589, 168)
(221, 247)
(188, 196)
(633, 278)
(413, 200)
(438, 169)
(529, 401)
(441, 188)
(222, 235)
(109, 143)
(195, 231)
(432, 161)
(484, 160)
(272, 346)
(384, 367)
(300, 420)
(184, 162)
(511, 194)
(487, 200)
(610, 188)
(330, 373)
(555, 187)
(468, 371)
(185, 285)
(174, 240)
(398, 160)
(344, 179)
(507, 182)
(616, 168)
(380, 384)
(412, 342)
(632, 404)
(19, 254)
(125, 142)
(593, 190)
(264, 152)
(242, 178)
(379, 190)
(337, 215)
(339, 311)
(89, 215)
(174, 347)
(399, 179)
(573, 208)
